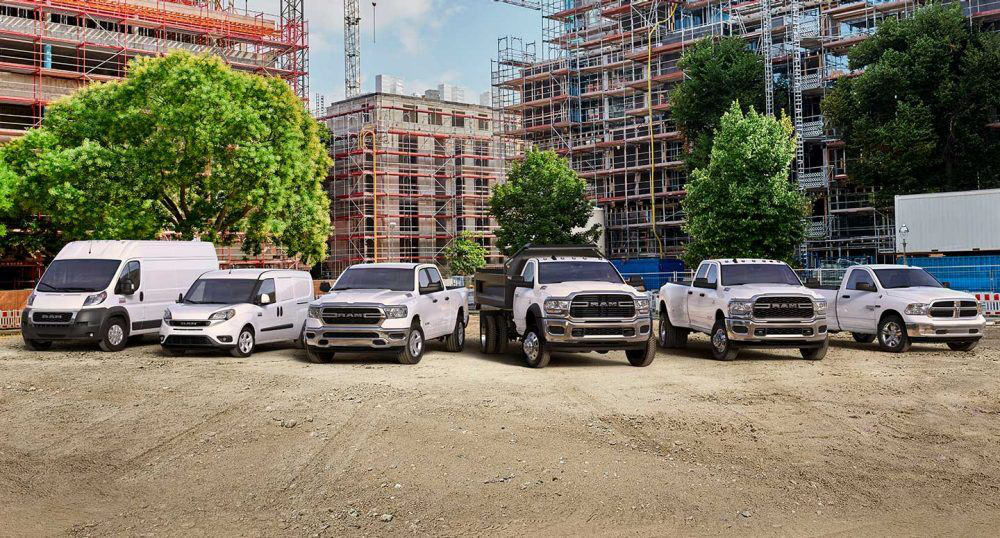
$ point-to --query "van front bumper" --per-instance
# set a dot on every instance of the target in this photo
(576, 335)
(84, 326)
(943, 330)
(759, 333)
(216, 335)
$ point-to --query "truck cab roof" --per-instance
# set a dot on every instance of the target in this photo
(570, 259)
(737, 261)
(389, 265)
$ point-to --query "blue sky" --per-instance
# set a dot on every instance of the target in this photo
(424, 42)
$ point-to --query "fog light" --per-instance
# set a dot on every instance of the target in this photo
(822, 329)
(310, 335)
(322, 342)
(226, 339)
(644, 329)
(557, 329)
(397, 336)
(378, 342)
(163, 339)
(807, 332)
(740, 329)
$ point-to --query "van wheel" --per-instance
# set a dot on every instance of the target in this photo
(318, 356)
(863, 338)
(413, 350)
(644, 356)
(456, 340)
(487, 338)
(671, 337)
(963, 346)
(723, 349)
(892, 335)
(815, 353)
(114, 336)
(244, 343)
(536, 355)
(37, 345)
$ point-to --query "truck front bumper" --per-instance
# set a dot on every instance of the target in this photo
(754, 333)
(576, 335)
(943, 330)
(354, 338)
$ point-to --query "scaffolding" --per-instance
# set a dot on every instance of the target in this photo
(410, 175)
(50, 48)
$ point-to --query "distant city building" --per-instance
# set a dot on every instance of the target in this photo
(451, 93)
(433, 95)
(389, 84)
(486, 98)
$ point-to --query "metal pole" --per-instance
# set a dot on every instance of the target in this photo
(374, 150)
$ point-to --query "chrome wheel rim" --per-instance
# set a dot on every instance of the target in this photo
(461, 333)
(482, 335)
(663, 331)
(530, 346)
(116, 334)
(892, 334)
(719, 339)
(416, 343)
(246, 342)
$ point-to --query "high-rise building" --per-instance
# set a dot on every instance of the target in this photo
(389, 84)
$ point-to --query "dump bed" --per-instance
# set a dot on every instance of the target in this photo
(493, 284)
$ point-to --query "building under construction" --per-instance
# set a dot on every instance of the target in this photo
(49, 48)
(596, 91)
(410, 174)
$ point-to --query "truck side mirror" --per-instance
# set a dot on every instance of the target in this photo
(702, 283)
(519, 282)
(637, 281)
(325, 287)
(946, 284)
(866, 286)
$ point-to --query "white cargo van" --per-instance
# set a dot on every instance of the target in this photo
(107, 291)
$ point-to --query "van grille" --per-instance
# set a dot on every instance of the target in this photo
(954, 309)
(52, 317)
(602, 306)
(783, 308)
(186, 340)
(340, 315)
(188, 323)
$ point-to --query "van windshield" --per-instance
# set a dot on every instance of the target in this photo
(221, 291)
(758, 273)
(376, 278)
(574, 271)
(78, 275)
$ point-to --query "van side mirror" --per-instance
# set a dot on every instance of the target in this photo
(180, 297)
(264, 299)
(325, 287)
(128, 287)
(637, 281)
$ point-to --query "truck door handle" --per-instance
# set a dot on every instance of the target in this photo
(690, 293)
(845, 296)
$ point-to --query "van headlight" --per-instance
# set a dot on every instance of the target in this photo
(315, 312)
(642, 306)
(96, 298)
(31, 299)
(821, 307)
(395, 311)
(740, 308)
(916, 309)
(167, 316)
(223, 315)
(558, 307)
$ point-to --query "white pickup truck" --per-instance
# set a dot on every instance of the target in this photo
(900, 305)
(386, 306)
(565, 298)
(744, 303)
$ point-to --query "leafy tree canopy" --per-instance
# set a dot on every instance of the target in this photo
(543, 201)
(464, 255)
(743, 204)
(915, 119)
(183, 144)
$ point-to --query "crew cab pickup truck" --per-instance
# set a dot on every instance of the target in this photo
(563, 298)
(744, 303)
(386, 306)
(900, 305)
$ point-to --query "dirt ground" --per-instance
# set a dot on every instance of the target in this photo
(861, 443)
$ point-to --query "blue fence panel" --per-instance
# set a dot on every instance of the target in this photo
(966, 273)
(654, 272)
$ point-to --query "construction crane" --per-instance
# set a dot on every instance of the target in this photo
(530, 4)
(352, 48)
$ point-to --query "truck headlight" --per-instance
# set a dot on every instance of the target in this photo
(740, 308)
(315, 312)
(642, 306)
(96, 298)
(916, 309)
(223, 315)
(979, 308)
(395, 311)
(557, 306)
(167, 315)
(821, 307)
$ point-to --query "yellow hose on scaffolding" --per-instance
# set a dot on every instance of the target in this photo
(363, 147)
(652, 139)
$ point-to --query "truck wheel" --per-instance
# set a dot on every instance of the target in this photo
(487, 326)
(536, 355)
(318, 356)
(723, 349)
(815, 353)
(413, 350)
(863, 338)
(671, 337)
(114, 335)
(644, 356)
(502, 338)
(245, 343)
(963, 346)
(892, 335)
(456, 340)
(37, 345)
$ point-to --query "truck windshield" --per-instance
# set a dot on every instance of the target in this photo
(373, 278)
(906, 278)
(221, 291)
(758, 273)
(78, 275)
(574, 271)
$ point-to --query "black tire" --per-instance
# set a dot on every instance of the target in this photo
(300, 342)
(245, 343)
(963, 346)
(413, 348)
(487, 338)
(502, 337)
(37, 345)
(642, 357)
(670, 337)
(892, 335)
(815, 353)
(536, 354)
(863, 338)
(318, 356)
(114, 335)
(723, 349)
(173, 351)
(456, 340)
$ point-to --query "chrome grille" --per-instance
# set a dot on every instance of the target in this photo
(602, 306)
(188, 323)
(783, 308)
(352, 315)
(954, 309)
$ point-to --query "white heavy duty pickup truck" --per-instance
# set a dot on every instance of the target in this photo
(386, 306)
(563, 299)
(744, 303)
(900, 305)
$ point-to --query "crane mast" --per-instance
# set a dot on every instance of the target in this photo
(352, 48)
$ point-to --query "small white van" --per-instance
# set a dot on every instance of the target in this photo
(108, 291)
(238, 309)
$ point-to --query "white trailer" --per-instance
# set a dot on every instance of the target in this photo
(948, 222)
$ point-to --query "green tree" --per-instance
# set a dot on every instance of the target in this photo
(543, 201)
(743, 204)
(183, 144)
(464, 255)
(716, 73)
(915, 118)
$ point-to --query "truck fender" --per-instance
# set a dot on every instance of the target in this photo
(534, 313)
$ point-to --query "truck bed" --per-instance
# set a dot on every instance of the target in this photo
(491, 288)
